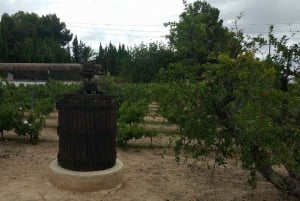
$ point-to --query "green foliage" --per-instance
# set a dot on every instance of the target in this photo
(199, 36)
(76, 52)
(81, 52)
(26, 37)
(9, 116)
(283, 55)
(135, 92)
(43, 106)
(107, 84)
(133, 112)
(30, 126)
(236, 105)
(179, 71)
(138, 64)
(234, 109)
(111, 57)
(145, 61)
(128, 132)
(134, 100)
(233, 104)
(24, 108)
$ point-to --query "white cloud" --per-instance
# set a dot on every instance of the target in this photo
(133, 21)
(124, 21)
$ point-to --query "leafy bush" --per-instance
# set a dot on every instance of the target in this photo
(128, 132)
(30, 126)
(9, 117)
(24, 108)
(133, 112)
(235, 109)
(133, 100)
(131, 117)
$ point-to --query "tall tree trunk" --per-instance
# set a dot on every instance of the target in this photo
(286, 184)
(290, 185)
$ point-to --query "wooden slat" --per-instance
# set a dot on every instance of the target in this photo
(87, 131)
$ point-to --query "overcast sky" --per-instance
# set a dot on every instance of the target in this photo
(133, 21)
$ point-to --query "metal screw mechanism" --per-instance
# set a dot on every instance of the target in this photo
(88, 72)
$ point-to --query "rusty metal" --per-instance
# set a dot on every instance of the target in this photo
(88, 71)
(7, 67)
(42, 71)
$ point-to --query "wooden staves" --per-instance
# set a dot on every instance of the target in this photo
(87, 129)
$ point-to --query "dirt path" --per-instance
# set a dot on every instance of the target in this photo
(151, 174)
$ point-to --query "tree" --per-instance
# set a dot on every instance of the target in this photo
(25, 36)
(138, 64)
(51, 27)
(234, 112)
(88, 54)
(199, 36)
(100, 58)
(145, 61)
(81, 52)
(236, 106)
(76, 53)
(110, 64)
(285, 57)
(6, 22)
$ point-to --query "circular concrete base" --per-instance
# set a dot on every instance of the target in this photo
(85, 181)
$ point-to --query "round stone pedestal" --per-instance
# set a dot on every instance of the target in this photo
(85, 181)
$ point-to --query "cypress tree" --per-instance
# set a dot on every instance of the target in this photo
(76, 53)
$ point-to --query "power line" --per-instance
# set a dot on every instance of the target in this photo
(108, 24)
(266, 32)
(264, 24)
(121, 30)
(116, 34)
(161, 25)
